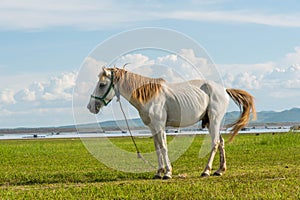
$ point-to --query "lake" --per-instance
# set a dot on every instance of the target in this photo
(137, 133)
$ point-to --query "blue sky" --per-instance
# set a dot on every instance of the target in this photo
(255, 45)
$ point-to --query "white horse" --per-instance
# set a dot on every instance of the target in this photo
(162, 104)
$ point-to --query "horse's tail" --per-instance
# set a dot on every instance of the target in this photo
(245, 101)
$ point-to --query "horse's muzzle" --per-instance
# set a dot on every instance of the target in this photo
(94, 108)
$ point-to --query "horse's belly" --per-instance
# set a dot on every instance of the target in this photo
(185, 104)
(183, 122)
(186, 115)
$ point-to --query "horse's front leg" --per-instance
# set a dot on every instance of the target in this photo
(161, 167)
(157, 117)
(164, 149)
(160, 141)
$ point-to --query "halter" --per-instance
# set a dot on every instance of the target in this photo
(111, 86)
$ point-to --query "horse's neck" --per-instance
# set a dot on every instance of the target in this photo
(137, 89)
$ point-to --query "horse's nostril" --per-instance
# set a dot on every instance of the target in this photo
(89, 106)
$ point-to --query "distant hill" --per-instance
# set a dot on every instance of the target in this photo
(292, 115)
(287, 117)
(114, 125)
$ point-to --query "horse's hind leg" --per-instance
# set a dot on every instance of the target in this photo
(214, 132)
(222, 168)
(216, 110)
(208, 167)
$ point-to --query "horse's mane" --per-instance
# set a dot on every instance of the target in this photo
(142, 88)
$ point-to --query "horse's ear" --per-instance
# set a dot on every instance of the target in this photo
(125, 65)
(106, 72)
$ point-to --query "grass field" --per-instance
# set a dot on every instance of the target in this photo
(259, 167)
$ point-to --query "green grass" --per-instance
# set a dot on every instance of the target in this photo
(259, 167)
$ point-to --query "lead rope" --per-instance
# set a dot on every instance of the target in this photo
(139, 155)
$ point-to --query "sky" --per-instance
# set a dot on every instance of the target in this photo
(255, 46)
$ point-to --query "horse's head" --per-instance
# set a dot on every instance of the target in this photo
(104, 91)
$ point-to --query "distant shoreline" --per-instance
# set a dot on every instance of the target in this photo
(97, 129)
(136, 133)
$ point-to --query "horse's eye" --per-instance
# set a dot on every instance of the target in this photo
(101, 85)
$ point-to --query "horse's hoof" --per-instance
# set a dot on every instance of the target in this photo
(204, 175)
(156, 176)
(217, 174)
(166, 177)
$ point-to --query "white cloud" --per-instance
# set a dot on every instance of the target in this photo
(91, 66)
(92, 14)
(275, 85)
(136, 59)
(257, 68)
(60, 87)
(285, 77)
(41, 100)
(172, 58)
(283, 20)
(25, 95)
(292, 58)
(172, 67)
(244, 80)
(281, 74)
(249, 81)
(37, 87)
(88, 76)
(7, 97)
(200, 64)
(293, 84)
(57, 88)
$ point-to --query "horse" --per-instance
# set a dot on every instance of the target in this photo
(162, 104)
